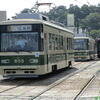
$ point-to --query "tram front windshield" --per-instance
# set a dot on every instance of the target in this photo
(19, 37)
(81, 44)
(28, 41)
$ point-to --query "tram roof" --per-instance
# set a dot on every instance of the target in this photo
(82, 38)
(35, 21)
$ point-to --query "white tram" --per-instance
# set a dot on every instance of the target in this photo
(84, 48)
(33, 47)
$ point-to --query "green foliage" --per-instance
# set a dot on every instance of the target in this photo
(94, 33)
(26, 10)
(85, 10)
(75, 10)
(77, 13)
(92, 21)
(87, 17)
(58, 14)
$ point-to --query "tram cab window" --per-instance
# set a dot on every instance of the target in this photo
(81, 44)
(20, 41)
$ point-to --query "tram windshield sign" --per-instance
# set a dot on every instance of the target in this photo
(20, 28)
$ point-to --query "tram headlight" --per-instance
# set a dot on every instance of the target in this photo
(5, 61)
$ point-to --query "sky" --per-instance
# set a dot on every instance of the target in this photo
(15, 6)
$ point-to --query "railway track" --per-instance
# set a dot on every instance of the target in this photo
(10, 84)
(85, 87)
(69, 88)
(14, 83)
(36, 87)
(61, 80)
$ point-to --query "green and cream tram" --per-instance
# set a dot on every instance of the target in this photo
(31, 47)
(84, 48)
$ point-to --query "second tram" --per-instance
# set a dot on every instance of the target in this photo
(84, 48)
(98, 47)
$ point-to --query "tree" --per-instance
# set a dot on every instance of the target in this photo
(94, 34)
(92, 21)
(26, 10)
(58, 14)
(85, 16)
(85, 11)
(77, 13)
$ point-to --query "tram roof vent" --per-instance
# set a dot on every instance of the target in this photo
(57, 23)
(32, 16)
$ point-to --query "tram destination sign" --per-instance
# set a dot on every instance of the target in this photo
(20, 28)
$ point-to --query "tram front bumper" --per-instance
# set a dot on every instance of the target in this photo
(25, 71)
(81, 58)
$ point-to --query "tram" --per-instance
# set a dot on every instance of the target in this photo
(98, 47)
(84, 48)
(32, 47)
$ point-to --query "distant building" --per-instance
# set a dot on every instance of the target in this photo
(70, 22)
(3, 15)
(71, 26)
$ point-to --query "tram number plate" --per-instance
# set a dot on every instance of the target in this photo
(19, 61)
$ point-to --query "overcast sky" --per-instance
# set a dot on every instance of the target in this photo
(15, 6)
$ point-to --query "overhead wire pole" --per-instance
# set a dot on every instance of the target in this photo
(78, 21)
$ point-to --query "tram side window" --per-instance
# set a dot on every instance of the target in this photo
(55, 42)
(58, 42)
(67, 43)
(70, 43)
(61, 42)
(91, 45)
(50, 41)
